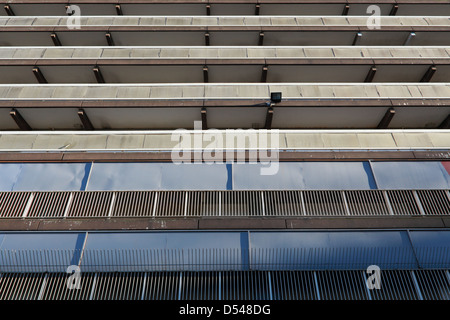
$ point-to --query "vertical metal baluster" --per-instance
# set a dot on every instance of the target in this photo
(155, 204)
(94, 282)
(263, 207)
(419, 204)
(416, 285)
(303, 203)
(317, 286)
(344, 198)
(28, 206)
(186, 198)
(388, 203)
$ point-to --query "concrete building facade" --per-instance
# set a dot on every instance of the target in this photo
(225, 150)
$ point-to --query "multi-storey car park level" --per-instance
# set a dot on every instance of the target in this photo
(92, 97)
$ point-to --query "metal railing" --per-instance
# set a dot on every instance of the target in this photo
(228, 285)
(286, 203)
(224, 259)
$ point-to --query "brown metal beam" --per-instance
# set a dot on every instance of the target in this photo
(257, 9)
(208, 9)
(346, 9)
(205, 74)
(261, 39)
(221, 223)
(264, 74)
(387, 118)
(336, 155)
(9, 10)
(98, 75)
(269, 118)
(207, 39)
(371, 74)
(20, 121)
(55, 39)
(357, 38)
(39, 76)
(204, 120)
(119, 10)
(394, 10)
(109, 39)
(411, 36)
(234, 1)
(429, 74)
(87, 124)
(445, 124)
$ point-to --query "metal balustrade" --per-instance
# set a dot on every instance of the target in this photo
(289, 203)
(371, 203)
(48, 205)
(90, 204)
(299, 285)
(436, 201)
(226, 274)
(403, 202)
(397, 285)
(324, 203)
(204, 203)
(134, 204)
(433, 284)
(224, 259)
(21, 286)
(116, 286)
(343, 285)
(230, 285)
(56, 287)
(13, 204)
(170, 204)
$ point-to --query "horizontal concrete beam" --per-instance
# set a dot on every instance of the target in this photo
(340, 141)
(222, 91)
(232, 103)
(335, 22)
(226, 55)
